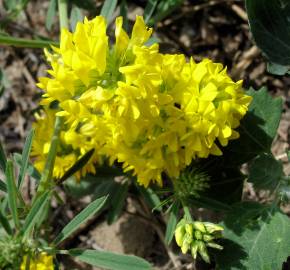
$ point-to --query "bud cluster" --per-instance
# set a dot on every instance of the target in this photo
(11, 252)
(197, 236)
(191, 182)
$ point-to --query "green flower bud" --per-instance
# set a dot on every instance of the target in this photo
(198, 235)
(207, 237)
(203, 251)
(185, 245)
(211, 227)
(199, 226)
(214, 245)
(189, 229)
(179, 235)
(194, 248)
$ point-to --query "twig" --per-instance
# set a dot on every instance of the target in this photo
(240, 12)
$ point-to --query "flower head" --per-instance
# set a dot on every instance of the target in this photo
(42, 261)
(152, 112)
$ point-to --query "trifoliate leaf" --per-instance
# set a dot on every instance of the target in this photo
(257, 238)
(270, 25)
(257, 130)
(265, 172)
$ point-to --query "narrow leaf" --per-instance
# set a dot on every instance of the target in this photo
(12, 192)
(77, 166)
(2, 158)
(28, 43)
(5, 223)
(81, 218)
(109, 260)
(51, 12)
(117, 202)
(3, 186)
(31, 170)
(75, 17)
(33, 215)
(25, 157)
(172, 221)
(151, 198)
(123, 13)
(108, 9)
(149, 9)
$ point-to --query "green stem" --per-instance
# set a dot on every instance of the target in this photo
(45, 181)
(28, 43)
(62, 11)
(187, 213)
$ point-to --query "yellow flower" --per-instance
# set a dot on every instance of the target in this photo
(152, 112)
(42, 261)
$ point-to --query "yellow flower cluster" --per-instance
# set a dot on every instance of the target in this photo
(41, 262)
(152, 112)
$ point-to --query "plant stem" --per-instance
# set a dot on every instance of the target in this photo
(62, 11)
(187, 213)
(45, 181)
(28, 43)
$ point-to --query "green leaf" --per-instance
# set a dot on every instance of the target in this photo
(150, 197)
(172, 221)
(51, 12)
(31, 170)
(75, 17)
(28, 43)
(2, 158)
(209, 203)
(108, 9)
(89, 5)
(25, 157)
(117, 201)
(165, 8)
(270, 25)
(265, 172)
(123, 13)
(226, 184)
(257, 130)
(257, 237)
(3, 186)
(149, 9)
(5, 223)
(34, 213)
(79, 219)
(277, 69)
(77, 166)
(109, 260)
(12, 192)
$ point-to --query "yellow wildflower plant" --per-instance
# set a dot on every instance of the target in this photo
(152, 112)
(42, 261)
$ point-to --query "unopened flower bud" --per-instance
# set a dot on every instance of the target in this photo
(199, 226)
(211, 227)
(189, 229)
(203, 251)
(214, 245)
(179, 235)
(198, 235)
(207, 237)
